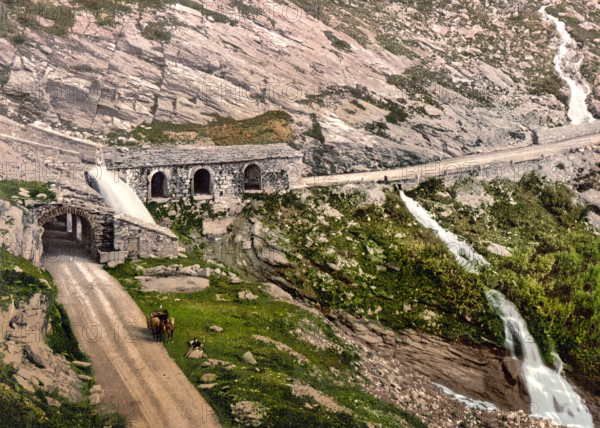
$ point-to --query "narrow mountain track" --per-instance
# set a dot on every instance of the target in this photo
(417, 173)
(138, 377)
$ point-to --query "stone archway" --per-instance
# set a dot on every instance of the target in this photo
(158, 185)
(73, 224)
(202, 182)
(252, 177)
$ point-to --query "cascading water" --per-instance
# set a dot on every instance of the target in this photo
(462, 251)
(117, 194)
(578, 112)
(551, 395)
(469, 402)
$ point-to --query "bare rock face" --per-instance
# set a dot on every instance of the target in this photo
(21, 237)
(486, 374)
(594, 107)
(475, 89)
(482, 373)
(37, 365)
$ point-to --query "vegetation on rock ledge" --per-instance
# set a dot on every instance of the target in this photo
(267, 128)
(371, 259)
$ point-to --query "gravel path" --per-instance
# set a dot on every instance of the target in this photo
(137, 376)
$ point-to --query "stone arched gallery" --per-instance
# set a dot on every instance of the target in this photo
(213, 173)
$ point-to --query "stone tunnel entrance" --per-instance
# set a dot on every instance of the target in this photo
(70, 230)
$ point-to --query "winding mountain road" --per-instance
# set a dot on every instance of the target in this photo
(138, 377)
(418, 173)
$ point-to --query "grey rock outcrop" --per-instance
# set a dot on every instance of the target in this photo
(23, 346)
(19, 235)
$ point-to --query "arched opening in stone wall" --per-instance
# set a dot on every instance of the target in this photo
(158, 186)
(252, 177)
(202, 182)
(69, 231)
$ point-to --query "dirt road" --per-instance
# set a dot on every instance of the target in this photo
(138, 377)
(421, 172)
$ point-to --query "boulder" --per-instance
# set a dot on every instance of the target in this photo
(206, 385)
(499, 250)
(189, 270)
(208, 377)
(53, 402)
(247, 295)
(249, 358)
(248, 413)
(195, 353)
(38, 355)
(95, 398)
(96, 389)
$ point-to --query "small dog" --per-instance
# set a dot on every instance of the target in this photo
(195, 344)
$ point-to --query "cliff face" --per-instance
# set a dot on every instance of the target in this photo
(373, 84)
(23, 345)
(19, 236)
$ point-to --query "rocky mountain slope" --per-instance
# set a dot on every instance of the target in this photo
(367, 84)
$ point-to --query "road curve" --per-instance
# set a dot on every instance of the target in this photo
(451, 165)
(138, 377)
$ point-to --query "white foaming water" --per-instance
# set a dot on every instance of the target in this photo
(578, 111)
(117, 194)
(551, 395)
(469, 402)
(462, 251)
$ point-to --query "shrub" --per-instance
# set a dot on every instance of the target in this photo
(338, 43)
(315, 130)
(157, 31)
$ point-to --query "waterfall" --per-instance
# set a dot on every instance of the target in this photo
(464, 254)
(117, 194)
(551, 395)
(578, 112)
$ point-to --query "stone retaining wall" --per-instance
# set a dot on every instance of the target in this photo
(88, 150)
(136, 239)
(566, 132)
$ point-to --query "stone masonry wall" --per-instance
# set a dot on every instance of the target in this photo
(149, 241)
(227, 179)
